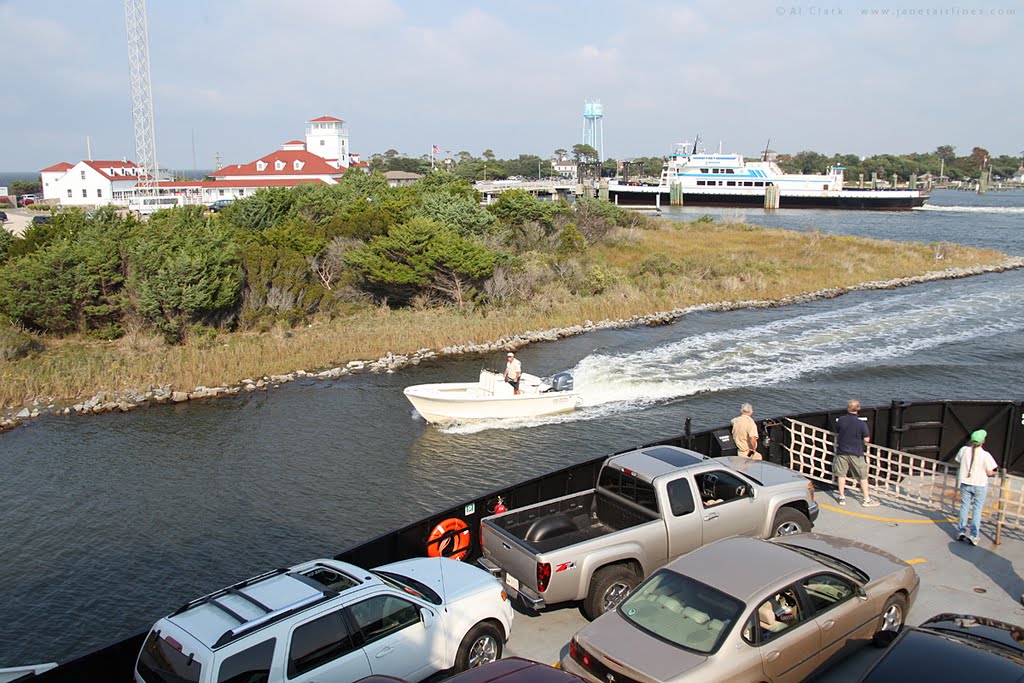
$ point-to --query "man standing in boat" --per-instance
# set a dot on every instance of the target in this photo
(513, 371)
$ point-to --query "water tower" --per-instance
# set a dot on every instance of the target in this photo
(593, 128)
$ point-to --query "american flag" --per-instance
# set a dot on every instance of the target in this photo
(436, 149)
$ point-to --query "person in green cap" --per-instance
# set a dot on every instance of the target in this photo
(976, 466)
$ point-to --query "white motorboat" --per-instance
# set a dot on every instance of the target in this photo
(491, 397)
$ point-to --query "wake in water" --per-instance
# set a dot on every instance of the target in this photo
(804, 343)
(972, 209)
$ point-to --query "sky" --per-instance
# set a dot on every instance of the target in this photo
(241, 77)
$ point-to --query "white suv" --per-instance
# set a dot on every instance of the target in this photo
(331, 621)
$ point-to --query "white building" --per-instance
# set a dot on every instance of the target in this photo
(327, 137)
(323, 158)
(396, 178)
(89, 183)
(564, 167)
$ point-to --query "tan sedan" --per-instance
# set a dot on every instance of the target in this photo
(743, 609)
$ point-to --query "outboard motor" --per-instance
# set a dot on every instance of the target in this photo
(561, 382)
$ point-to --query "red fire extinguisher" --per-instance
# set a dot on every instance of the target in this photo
(499, 507)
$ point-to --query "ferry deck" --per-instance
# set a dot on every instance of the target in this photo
(984, 580)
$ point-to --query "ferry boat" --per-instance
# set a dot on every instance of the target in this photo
(715, 179)
(954, 576)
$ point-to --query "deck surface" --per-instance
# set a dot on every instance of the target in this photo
(955, 577)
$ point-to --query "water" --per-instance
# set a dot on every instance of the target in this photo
(113, 520)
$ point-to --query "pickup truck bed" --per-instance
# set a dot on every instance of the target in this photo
(567, 521)
(650, 505)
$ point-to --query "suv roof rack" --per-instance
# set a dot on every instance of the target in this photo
(270, 615)
(233, 587)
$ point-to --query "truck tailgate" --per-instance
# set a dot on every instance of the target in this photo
(504, 550)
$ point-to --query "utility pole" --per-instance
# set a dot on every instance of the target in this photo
(142, 95)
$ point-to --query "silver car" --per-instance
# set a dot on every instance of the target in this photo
(744, 609)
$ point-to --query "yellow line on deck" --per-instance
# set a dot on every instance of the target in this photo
(916, 560)
(884, 519)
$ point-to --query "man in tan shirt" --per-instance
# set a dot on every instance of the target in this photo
(744, 433)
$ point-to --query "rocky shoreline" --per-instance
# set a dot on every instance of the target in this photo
(130, 399)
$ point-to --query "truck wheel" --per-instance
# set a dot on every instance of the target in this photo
(482, 645)
(889, 624)
(608, 587)
(789, 521)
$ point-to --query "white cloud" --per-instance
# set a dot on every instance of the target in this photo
(404, 74)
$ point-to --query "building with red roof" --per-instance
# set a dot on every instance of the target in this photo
(92, 182)
(323, 158)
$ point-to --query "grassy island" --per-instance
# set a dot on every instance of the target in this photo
(314, 277)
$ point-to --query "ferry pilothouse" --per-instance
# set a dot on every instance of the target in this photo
(715, 179)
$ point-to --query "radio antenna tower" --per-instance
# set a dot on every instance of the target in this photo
(593, 127)
(142, 95)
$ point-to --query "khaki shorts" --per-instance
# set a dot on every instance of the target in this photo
(856, 465)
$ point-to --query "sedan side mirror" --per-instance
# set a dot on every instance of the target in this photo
(861, 593)
(427, 617)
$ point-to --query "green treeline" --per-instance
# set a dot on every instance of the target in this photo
(943, 160)
(287, 256)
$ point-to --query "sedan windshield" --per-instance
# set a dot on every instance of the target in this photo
(682, 611)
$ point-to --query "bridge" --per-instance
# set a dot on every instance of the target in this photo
(550, 189)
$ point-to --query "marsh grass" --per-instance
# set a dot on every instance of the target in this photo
(686, 264)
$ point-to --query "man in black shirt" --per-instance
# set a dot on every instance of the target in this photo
(852, 435)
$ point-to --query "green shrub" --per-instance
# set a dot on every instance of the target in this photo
(277, 280)
(184, 269)
(6, 238)
(420, 256)
(658, 264)
(16, 342)
(598, 279)
(571, 241)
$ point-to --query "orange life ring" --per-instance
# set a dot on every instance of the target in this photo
(450, 538)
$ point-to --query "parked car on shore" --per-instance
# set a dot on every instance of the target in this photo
(746, 609)
(952, 648)
(650, 505)
(329, 620)
(220, 205)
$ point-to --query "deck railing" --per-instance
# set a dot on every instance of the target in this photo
(905, 477)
